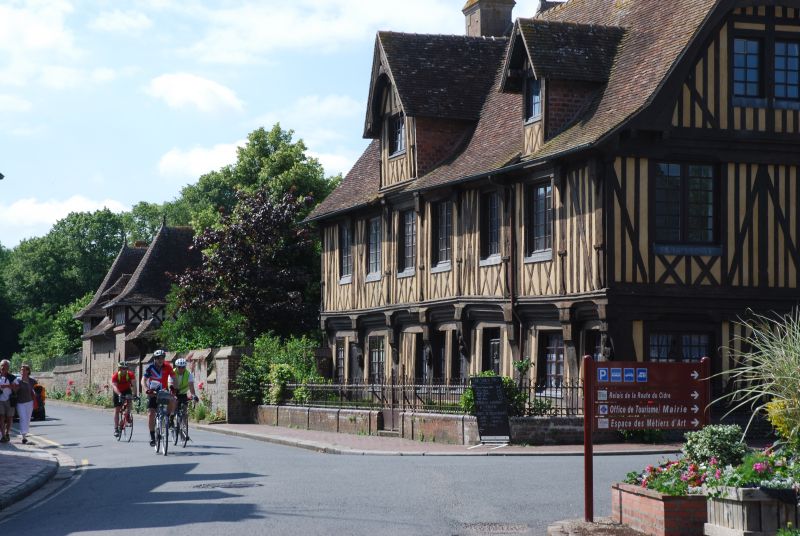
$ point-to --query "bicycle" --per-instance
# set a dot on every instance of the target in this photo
(180, 429)
(126, 426)
(163, 399)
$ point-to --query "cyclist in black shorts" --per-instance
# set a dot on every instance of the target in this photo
(122, 384)
(155, 378)
(181, 383)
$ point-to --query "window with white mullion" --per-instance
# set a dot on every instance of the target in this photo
(443, 216)
(374, 246)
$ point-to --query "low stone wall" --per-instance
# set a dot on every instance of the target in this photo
(430, 427)
(346, 421)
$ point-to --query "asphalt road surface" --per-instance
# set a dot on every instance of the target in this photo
(223, 485)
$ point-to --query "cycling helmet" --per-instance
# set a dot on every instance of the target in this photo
(159, 354)
(122, 364)
(180, 362)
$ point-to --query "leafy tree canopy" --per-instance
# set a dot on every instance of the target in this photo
(259, 263)
(269, 160)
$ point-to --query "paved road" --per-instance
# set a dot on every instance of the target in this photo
(222, 484)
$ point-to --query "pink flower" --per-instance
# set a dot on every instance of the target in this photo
(200, 385)
(717, 474)
(713, 460)
(760, 467)
(70, 382)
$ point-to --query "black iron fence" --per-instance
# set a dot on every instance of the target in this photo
(565, 399)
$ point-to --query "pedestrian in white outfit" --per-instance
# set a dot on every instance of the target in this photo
(25, 396)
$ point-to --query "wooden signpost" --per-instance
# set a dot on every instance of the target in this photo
(622, 395)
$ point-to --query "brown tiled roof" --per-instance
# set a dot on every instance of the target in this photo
(656, 35)
(169, 253)
(102, 328)
(569, 51)
(117, 287)
(442, 76)
(496, 141)
(145, 330)
(359, 187)
(127, 260)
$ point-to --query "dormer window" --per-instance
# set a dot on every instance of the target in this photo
(533, 99)
(397, 134)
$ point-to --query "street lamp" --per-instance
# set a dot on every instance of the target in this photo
(2, 176)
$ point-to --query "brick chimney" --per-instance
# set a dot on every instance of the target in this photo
(488, 17)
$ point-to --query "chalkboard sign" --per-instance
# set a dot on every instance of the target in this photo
(491, 409)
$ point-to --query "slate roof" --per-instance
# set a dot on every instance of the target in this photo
(127, 260)
(656, 35)
(569, 51)
(359, 187)
(169, 253)
(441, 76)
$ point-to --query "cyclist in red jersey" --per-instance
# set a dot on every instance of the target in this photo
(122, 384)
(155, 378)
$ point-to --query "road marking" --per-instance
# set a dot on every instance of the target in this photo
(84, 462)
(48, 441)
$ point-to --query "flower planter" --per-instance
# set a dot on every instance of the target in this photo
(748, 512)
(657, 514)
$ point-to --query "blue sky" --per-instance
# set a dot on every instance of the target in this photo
(109, 102)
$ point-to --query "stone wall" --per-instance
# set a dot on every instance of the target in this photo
(214, 371)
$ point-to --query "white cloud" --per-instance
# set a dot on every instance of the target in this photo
(117, 21)
(182, 90)
(192, 163)
(317, 119)
(60, 77)
(335, 163)
(34, 217)
(33, 34)
(10, 103)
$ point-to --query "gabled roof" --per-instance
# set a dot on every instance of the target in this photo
(359, 187)
(657, 34)
(117, 287)
(442, 76)
(495, 142)
(127, 260)
(644, 41)
(566, 50)
(170, 252)
(102, 328)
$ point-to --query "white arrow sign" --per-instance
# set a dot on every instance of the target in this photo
(695, 395)
(695, 423)
(695, 409)
(695, 375)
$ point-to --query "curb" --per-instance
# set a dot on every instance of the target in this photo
(325, 448)
(38, 479)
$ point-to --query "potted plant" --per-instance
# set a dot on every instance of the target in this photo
(759, 495)
(669, 498)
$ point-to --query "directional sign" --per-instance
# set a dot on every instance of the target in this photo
(642, 396)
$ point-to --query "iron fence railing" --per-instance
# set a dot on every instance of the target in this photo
(564, 399)
(50, 363)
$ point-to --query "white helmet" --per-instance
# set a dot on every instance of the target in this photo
(180, 362)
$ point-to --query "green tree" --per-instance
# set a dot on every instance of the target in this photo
(271, 160)
(200, 328)
(45, 273)
(9, 326)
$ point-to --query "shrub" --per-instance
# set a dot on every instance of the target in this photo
(675, 477)
(279, 376)
(719, 441)
(302, 395)
(540, 407)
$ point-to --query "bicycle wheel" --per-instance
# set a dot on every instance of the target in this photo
(160, 439)
(127, 429)
(176, 435)
(165, 432)
(185, 428)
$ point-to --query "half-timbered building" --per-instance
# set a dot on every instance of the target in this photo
(608, 177)
(128, 307)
